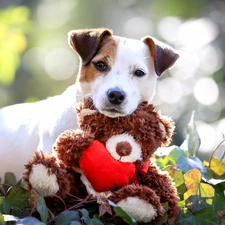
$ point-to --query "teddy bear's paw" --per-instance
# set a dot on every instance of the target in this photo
(139, 209)
(47, 174)
(140, 202)
(43, 180)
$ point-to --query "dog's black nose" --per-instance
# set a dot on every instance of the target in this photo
(116, 95)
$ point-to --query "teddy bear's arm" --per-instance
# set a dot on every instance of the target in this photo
(162, 184)
(47, 175)
(70, 144)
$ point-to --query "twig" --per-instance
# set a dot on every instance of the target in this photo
(211, 156)
(56, 196)
(72, 207)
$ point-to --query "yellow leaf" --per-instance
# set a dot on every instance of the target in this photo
(176, 174)
(188, 193)
(192, 179)
(217, 167)
(205, 163)
(206, 190)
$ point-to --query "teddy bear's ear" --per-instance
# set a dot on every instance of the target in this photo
(87, 112)
(85, 108)
(167, 128)
(83, 113)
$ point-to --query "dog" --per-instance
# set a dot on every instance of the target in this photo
(116, 72)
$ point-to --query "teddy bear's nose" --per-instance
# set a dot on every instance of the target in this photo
(123, 148)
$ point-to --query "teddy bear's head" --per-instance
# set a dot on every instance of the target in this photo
(133, 138)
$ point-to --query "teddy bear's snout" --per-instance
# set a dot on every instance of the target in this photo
(123, 148)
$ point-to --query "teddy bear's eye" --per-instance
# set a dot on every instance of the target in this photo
(135, 136)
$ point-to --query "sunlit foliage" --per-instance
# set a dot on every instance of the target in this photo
(14, 24)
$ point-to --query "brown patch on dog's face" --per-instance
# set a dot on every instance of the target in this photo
(105, 54)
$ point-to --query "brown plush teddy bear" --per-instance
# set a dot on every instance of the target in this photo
(111, 157)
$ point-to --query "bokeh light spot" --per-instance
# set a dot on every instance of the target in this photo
(197, 33)
(33, 59)
(206, 91)
(61, 64)
(169, 90)
(144, 27)
(207, 135)
(52, 15)
(168, 28)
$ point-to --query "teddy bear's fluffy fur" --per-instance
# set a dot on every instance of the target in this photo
(142, 196)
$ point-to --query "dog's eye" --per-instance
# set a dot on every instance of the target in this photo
(101, 66)
(139, 73)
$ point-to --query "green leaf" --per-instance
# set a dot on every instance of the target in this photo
(17, 197)
(181, 190)
(29, 221)
(205, 216)
(10, 178)
(119, 212)
(66, 217)
(42, 209)
(75, 223)
(21, 213)
(169, 157)
(165, 217)
(195, 203)
(4, 207)
(176, 153)
(34, 197)
(219, 199)
(176, 174)
(193, 139)
(88, 220)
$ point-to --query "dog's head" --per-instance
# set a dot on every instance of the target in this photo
(118, 72)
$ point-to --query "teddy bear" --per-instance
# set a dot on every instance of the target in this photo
(113, 158)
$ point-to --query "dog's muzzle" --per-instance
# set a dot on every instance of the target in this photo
(116, 96)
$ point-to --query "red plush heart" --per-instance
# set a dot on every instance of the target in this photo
(102, 170)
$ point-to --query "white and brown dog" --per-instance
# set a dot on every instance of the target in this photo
(118, 73)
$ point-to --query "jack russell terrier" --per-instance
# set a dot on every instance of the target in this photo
(118, 73)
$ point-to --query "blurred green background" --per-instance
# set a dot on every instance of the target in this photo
(36, 61)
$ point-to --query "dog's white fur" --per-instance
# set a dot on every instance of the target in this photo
(25, 128)
(130, 54)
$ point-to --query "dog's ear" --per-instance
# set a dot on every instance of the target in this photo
(163, 55)
(86, 42)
